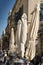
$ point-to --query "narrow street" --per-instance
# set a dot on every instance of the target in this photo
(21, 32)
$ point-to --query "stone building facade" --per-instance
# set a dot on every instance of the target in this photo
(32, 8)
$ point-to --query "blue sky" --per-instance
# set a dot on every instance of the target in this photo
(5, 6)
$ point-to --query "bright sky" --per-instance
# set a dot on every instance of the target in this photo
(5, 6)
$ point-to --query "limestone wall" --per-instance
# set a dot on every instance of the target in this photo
(33, 24)
(29, 7)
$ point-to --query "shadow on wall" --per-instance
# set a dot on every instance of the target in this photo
(36, 60)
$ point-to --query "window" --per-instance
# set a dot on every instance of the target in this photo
(41, 12)
(18, 15)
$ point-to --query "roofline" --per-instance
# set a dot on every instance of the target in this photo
(14, 6)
